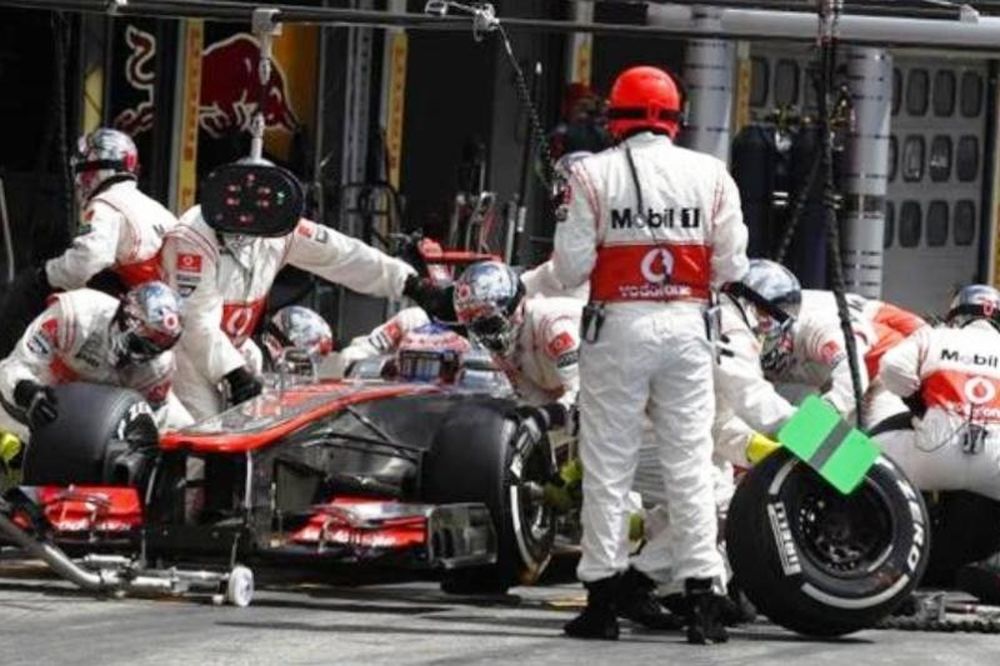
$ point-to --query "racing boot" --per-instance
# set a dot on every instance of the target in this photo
(598, 619)
(637, 603)
(705, 620)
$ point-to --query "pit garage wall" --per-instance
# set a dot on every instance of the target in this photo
(944, 238)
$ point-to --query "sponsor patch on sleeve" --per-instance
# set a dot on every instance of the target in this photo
(831, 353)
(45, 339)
(568, 359)
(188, 263)
(560, 344)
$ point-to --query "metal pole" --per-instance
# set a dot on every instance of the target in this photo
(708, 72)
(970, 32)
(865, 181)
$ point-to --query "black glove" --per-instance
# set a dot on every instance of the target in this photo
(242, 385)
(37, 401)
(547, 417)
(915, 403)
(434, 300)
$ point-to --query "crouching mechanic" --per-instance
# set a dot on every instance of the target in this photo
(655, 228)
(224, 279)
(950, 377)
(86, 335)
(119, 234)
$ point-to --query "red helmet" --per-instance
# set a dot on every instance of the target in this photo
(644, 98)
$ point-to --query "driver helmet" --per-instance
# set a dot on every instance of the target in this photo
(487, 300)
(303, 329)
(148, 323)
(431, 353)
(975, 302)
(102, 157)
(775, 296)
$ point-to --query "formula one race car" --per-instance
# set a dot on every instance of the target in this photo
(423, 477)
(417, 477)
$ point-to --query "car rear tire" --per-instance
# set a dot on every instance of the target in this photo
(95, 427)
(483, 454)
(817, 562)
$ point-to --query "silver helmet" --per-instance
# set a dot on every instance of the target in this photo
(303, 329)
(147, 324)
(976, 301)
(776, 296)
(486, 298)
(100, 156)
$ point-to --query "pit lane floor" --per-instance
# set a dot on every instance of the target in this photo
(46, 621)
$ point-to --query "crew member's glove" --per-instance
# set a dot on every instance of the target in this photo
(242, 385)
(547, 417)
(37, 401)
(434, 300)
(759, 447)
(915, 403)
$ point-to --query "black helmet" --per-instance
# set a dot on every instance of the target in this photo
(976, 301)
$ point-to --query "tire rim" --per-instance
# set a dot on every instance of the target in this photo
(533, 521)
(843, 536)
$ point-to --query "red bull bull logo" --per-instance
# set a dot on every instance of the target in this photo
(140, 74)
(229, 89)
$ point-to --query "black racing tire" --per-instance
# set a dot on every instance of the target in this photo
(484, 453)
(96, 425)
(817, 562)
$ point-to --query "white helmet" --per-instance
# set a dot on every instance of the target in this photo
(148, 323)
(103, 155)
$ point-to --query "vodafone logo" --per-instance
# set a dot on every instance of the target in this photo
(979, 391)
(657, 265)
(189, 263)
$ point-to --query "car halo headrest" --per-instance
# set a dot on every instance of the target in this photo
(253, 198)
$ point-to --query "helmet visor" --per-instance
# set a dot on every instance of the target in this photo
(495, 333)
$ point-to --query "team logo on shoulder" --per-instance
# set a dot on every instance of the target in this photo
(189, 263)
(831, 353)
(561, 344)
(44, 341)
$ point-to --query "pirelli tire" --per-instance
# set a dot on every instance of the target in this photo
(485, 453)
(97, 429)
(817, 562)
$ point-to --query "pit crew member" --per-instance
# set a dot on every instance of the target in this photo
(655, 228)
(224, 279)
(120, 231)
(86, 335)
(950, 376)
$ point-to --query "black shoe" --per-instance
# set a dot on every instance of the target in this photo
(598, 619)
(705, 622)
(637, 602)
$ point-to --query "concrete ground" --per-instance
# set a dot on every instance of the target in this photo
(46, 621)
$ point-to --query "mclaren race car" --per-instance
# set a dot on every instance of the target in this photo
(436, 479)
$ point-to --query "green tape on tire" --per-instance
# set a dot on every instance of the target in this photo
(818, 436)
